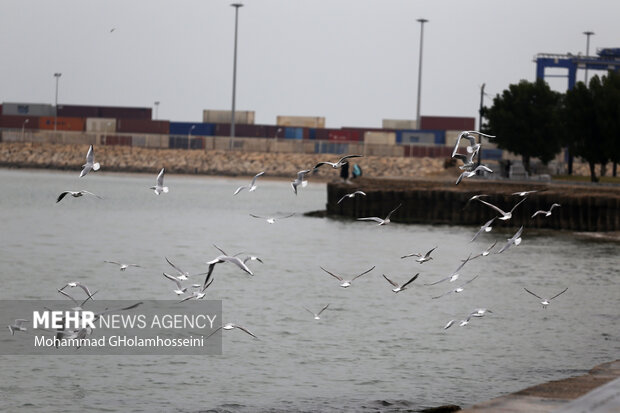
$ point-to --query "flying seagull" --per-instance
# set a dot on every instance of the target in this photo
(545, 301)
(398, 288)
(547, 213)
(515, 239)
(183, 275)
(351, 195)
(485, 252)
(74, 284)
(473, 145)
(379, 220)
(317, 315)
(90, 162)
(300, 180)
(455, 275)
(230, 326)
(423, 258)
(346, 283)
(159, 186)
(17, 326)
(469, 174)
(251, 187)
(523, 193)
(121, 265)
(457, 289)
(180, 289)
(271, 220)
(198, 294)
(75, 194)
(338, 164)
(486, 228)
(222, 259)
(505, 215)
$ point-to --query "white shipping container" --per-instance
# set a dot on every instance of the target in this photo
(301, 121)
(380, 138)
(242, 117)
(107, 125)
(399, 124)
(27, 109)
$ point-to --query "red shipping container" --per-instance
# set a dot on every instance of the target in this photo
(125, 112)
(18, 122)
(143, 126)
(118, 140)
(447, 123)
(62, 123)
(80, 111)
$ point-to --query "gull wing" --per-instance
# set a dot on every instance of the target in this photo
(322, 309)
(332, 274)
(347, 157)
(365, 272)
(287, 216)
(112, 262)
(563, 291)
(429, 252)
(245, 329)
(535, 295)
(492, 206)
(309, 311)
(160, 178)
(86, 170)
(518, 203)
(174, 266)
(241, 188)
(90, 156)
(410, 281)
(237, 262)
(173, 278)
(415, 254)
(392, 211)
(90, 193)
(376, 219)
(442, 280)
(538, 213)
(62, 195)
(483, 228)
(468, 281)
(216, 330)
(390, 281)
(256, 176)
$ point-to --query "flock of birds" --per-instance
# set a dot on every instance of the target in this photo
(196, 291)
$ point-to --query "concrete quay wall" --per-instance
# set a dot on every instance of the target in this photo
(583, 207)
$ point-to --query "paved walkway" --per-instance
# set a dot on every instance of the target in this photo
(598, 391)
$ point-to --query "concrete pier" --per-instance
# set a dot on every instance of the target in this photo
(583, 207)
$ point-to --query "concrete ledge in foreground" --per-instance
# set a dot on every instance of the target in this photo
(598, 391)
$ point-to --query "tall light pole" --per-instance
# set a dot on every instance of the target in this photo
(156, 107)
(422, 21)
(234, 85)
(57, 76)
(189, 136)
(480, 119)
(588, 34)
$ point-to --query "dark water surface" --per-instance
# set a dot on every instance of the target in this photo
(372, 349)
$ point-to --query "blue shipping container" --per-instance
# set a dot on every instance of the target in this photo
(200, 129)
(331, 147)
(294, 133)
(421, 137)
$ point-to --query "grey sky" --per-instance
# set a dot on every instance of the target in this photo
(355, 62)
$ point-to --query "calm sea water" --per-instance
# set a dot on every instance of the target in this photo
(372, 349)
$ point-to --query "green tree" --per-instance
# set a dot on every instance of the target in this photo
(525, 120)
(592, 121)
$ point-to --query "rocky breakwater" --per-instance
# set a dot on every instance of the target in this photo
(583, 207)
(210, 162)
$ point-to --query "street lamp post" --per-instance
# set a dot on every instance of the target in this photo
(156, 108)
(480, 120)
(189, 136)
(57, 76)
(422, 21)
(234, 85)
(588, 34)
(24, 127)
